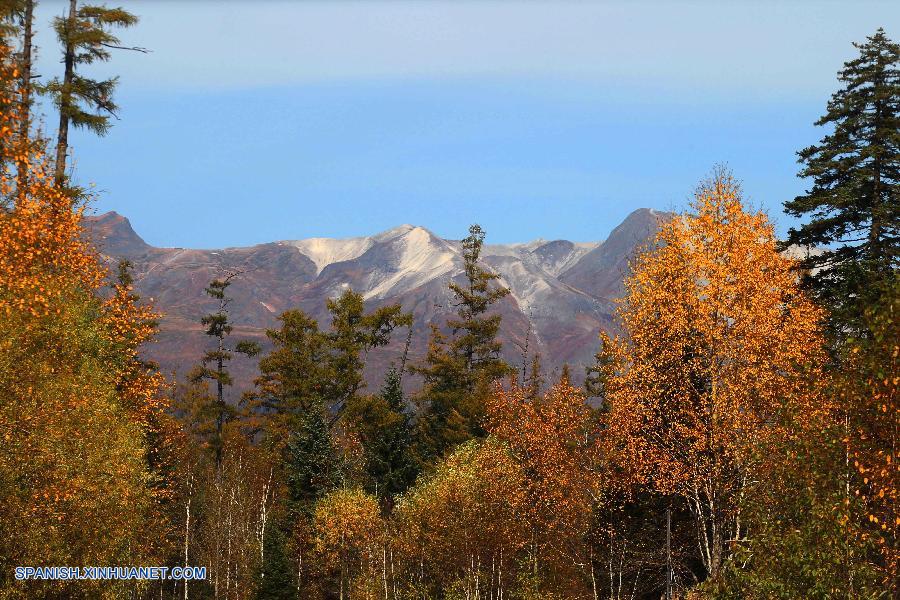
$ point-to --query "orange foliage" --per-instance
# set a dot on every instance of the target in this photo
(554, 439)
(76, 403)
(719, 341)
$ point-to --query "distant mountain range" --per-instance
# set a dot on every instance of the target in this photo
(562, 291)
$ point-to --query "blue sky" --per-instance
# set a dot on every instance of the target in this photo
(260, 120)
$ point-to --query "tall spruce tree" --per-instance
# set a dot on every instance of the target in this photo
(385, 431)
(459, 369)
(853, 205)
(313, 464)
(214, 364)
(85, 34)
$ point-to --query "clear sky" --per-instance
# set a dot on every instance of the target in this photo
(259, 120)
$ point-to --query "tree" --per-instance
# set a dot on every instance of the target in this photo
(353, 334)
(460, 531)
(85, 36)
(312, 468)
(309, 367)
(458, 371)
(867, 392)
(854, 202)
(385, 431)
(17, 19)
(348, 529)
(718, 342)
(554, 439)
(313, 465)
(292, 379)
(218, 327)
(276, 576)
(73, 460)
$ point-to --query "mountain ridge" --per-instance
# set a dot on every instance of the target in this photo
(562, 292)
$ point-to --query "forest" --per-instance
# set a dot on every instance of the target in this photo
(737, 438)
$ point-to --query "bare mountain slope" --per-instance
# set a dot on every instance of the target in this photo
(561, 296)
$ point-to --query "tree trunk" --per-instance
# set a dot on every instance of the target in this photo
(24, 127)
(187, 528)
(65, 99)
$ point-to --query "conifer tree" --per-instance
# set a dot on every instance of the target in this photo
(853, 205)
(276, 575)
(385, 430)
(313, 464)
(218, 327)
(353, 334)
(309, 368)
(292, 377)
(458, 371)
(86, 37)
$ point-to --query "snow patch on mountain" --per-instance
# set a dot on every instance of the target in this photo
(325, 251)
(421, 257)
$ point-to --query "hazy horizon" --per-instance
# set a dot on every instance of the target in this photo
(278, 120)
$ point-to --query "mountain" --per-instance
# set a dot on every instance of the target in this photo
(562, 292)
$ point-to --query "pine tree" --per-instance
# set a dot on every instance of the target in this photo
(854, 203)
(85, 36)
(458, 371)
(218, 327)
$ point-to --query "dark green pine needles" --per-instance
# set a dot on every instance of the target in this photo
(854, 203)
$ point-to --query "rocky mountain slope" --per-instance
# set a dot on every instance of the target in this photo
(562, 292)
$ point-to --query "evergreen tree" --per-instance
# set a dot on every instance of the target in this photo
(292, 377)
(385, 430)
(275, 580)
(854, 203)
(353, 334)
(218, 327)
(311, 368)
(312, 462)
(85, 36)
(458, 371)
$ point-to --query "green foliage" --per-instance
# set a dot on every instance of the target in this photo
(219, 328)
(458, 370)
(312, 463)
(86, 38)
(385, 431)
(292, 378)
(275, 580)
(854, 203)
(802, 543)
(309, 368)
(353, 334)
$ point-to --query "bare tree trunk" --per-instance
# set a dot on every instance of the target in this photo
(384, 575)
(263, 517)
(65, 99)
(187, 527)
(25, 125)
